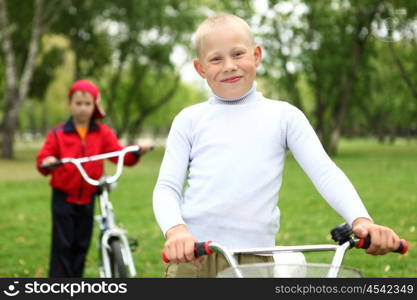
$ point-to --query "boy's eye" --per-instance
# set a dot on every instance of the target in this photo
(214, 59)
(83, 103)
(237, 54)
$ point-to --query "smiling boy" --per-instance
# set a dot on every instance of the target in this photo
(233, 148)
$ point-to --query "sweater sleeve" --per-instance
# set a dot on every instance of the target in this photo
(167, 195)
(328, 179)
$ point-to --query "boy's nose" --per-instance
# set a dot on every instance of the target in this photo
(229, 65)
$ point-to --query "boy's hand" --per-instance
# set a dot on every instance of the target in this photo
(383, 239)
(179, 246)
(145, 146)
(49, 160)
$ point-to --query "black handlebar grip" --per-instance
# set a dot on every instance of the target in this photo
(200, 249)
(366, 242)
(51, 166)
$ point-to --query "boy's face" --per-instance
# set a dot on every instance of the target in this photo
(228, 61)
(82, 107)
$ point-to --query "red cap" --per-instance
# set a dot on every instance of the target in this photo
(89, 87)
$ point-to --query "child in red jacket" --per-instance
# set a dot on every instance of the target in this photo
(73, 198)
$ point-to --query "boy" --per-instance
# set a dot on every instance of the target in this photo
(233, 147)
(72, 197)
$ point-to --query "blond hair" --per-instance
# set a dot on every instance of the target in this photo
(213, 22)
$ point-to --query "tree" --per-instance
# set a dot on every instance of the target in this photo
(328, 45)
(79, 22)
(19, 66)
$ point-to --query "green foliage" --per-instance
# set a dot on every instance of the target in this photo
(44, 72)
(2, 87)
(161, 120)
(388, 107)
(331, 58)
(336, 50)
(78, 23)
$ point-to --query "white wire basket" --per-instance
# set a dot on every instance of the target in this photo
(276, 270)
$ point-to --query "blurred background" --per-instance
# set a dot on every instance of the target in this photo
(350, 65)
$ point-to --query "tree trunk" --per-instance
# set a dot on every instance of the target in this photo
(290, 79)
(9, 124)
(147, 110)
(334, 141)
(134, 132)
(393, 135)
(16, 94)
(45, 119)
(406, 78)
(112, 95)
(349, 80)
(320, 109)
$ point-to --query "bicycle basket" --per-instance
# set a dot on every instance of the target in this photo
(275, 270)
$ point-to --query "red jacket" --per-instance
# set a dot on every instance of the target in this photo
(64, 141)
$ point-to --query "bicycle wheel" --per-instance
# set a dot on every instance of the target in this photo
(117, 264)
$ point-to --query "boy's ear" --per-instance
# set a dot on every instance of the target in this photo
(258, 54)
(199, 68)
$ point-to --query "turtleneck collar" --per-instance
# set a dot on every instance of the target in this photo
(246, 98)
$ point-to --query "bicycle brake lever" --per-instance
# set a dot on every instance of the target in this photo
(342, 233)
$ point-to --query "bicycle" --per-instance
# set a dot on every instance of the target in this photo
(341, 234)
(115, 251)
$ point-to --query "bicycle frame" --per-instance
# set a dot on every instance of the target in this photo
(109, 230)
(107, 220)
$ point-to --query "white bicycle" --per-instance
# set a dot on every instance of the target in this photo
(115, 251)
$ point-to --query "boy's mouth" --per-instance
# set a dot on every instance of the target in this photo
(231, 79)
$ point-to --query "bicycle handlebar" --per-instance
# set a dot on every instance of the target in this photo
(78, 161)
(208, 248)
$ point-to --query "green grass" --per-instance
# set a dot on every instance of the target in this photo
(385, 177)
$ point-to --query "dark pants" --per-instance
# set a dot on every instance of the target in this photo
(72, 228)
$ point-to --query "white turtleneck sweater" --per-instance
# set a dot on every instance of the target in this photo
(232, 152)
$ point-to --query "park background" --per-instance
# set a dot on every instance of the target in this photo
(350, 65)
